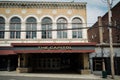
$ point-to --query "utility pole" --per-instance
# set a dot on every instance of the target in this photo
(110, 39)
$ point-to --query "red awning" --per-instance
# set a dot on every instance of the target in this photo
(18, 50)
(54, 44)
(7, 52)
(54, 51)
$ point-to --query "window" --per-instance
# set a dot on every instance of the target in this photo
(76, 23)
(92, 37)
(2, 27)
(62, 28)
(97, 64)
(118, 26)
(15, 27)
(46, 28)
(118, 37)
(31, 28)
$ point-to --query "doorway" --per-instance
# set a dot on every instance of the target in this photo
(54, 62)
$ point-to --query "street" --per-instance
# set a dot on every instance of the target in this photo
(4, 75)
(13, 75)
(34, 78)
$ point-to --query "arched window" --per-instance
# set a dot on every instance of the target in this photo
(76, 25)
(31, 28)
(46, 28)
(15, 27)
(2, 27)
(61, 27)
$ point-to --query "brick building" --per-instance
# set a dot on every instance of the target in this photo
(99, 33)
(93, 32)
(42, 36)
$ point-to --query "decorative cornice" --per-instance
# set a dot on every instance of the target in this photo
(31, 4)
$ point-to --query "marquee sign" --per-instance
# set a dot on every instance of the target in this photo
(49, 48)
(55, 48)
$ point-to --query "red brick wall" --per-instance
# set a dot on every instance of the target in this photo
(94, 30)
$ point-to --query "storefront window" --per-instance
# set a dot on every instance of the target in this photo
(62, 28)
(15, 27)
(46, 28)
(97, 64)
(76, 25)
(31, 28)
(2, 27)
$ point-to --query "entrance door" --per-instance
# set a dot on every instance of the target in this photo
(54, 62)
(49, 63)
(8, 61)
(3, 62)
(45, 62)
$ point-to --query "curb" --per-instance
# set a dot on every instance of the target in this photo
(73, 76)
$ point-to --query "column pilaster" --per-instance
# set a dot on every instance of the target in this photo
(69, 31)
(7, 33)
(85, 69)
(54, 33)
(22, 64)
(39, 30)
(23, 29)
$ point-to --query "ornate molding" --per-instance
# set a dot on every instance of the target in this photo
(23, 11)
(54, 11)
(7, 11)
(51, 5)
(69, 11)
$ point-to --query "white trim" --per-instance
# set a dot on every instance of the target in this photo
(31, 16)
(83, 20)
(4, 18)
(15, 16)
(60, 17)
(48, 17)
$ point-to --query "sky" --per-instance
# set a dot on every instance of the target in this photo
(95, 8)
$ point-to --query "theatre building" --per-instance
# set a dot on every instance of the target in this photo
(44, 36)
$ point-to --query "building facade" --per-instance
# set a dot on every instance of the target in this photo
(99, 33)
(44, 36)
(93, 32)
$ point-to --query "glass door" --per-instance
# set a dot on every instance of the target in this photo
(49, 63)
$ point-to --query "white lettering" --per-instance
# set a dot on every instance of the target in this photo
(56, 48)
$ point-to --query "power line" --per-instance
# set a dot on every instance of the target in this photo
(80, 28)
(49, 29)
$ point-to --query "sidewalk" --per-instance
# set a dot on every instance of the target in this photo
(99, 73)
(74, 76)
(109, 78)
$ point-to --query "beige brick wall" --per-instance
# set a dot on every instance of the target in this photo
(41, 12)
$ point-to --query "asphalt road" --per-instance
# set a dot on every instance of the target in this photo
(33, 78)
